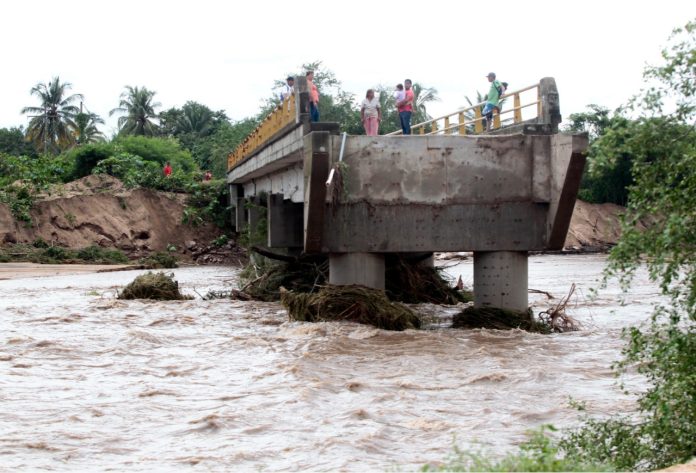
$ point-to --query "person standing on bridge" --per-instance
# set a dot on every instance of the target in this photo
(405, 108)
(371, 113)
(313, 97)
(492, 99)
(287, 88)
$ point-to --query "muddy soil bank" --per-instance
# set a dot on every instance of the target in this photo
(100, 210)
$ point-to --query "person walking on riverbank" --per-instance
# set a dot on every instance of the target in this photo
(371, 113)
(405, 108)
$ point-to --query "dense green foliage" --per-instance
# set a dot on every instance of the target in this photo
(663, 147)
(608, 172)
(41, 252)
(13, 143)
(539, 453)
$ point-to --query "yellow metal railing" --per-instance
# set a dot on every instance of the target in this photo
(281, 117)
(462, 123)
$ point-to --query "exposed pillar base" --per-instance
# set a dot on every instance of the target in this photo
(501, 279)
(366, 269)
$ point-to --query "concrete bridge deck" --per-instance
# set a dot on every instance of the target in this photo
(499, 196)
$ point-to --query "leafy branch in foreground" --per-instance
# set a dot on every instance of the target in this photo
(664, 349)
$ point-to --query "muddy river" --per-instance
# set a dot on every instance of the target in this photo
(88, 382)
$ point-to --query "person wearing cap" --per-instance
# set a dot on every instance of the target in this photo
(492, 99)
(287, 88)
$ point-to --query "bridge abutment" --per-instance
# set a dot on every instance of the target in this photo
(501, 279)
(366, 269)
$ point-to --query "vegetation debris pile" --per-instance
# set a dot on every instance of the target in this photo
(350, 303)
(411, 282)
(406, 281)
(158, 286)
(499, 319)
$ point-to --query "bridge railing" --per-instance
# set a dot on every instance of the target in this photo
(470, 120)
(283, 115)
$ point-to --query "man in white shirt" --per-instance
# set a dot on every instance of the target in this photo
(287, 88)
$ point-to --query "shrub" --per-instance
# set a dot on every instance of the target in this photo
(159, 260)
(86, 157)
(157, 150)
(99, 255)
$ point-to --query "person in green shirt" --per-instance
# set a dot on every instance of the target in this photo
(491, 99)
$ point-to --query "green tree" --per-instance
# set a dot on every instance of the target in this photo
(157, 150)
(423, 95)
(13, 143)
(138, 108)
(663, 145)
(225, 139)
(193, 125)
(51, 124)
(86, 157)
(607, 175)
(86, 130)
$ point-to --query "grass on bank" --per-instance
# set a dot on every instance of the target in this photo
(540, 453)
(41, 252)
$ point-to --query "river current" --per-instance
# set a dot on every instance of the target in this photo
(89, 382)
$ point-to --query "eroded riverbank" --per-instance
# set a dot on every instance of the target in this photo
(90, 382)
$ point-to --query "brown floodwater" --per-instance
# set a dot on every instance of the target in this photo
(88, 382)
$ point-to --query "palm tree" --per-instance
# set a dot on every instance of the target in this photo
(86, 130)
(139, 109)
(197, 119)
(423, 96)
(51, 124)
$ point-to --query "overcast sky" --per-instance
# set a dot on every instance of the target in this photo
(227, 54)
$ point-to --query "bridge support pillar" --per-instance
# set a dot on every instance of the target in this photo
(500, 279)
(366, 269)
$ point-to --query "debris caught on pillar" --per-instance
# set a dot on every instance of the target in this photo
(349, 303)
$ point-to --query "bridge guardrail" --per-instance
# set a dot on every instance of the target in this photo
(282, 116)
(470, 120)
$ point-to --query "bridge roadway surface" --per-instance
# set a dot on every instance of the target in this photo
(499, 196)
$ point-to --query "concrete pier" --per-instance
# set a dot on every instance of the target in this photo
(366, 269)
(500, 279)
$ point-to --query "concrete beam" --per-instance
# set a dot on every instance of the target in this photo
(367, 227)
(318, 150)
(501, 280)
(254, 206)
(239, 215)
(285, 223)
(567, 162)
(365, 269)
(280, 153)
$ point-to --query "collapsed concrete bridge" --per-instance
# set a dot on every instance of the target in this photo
(357, 198)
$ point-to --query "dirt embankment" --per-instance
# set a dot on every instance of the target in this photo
(594, 227)
(99, 210)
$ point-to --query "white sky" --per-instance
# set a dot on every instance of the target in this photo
(227, 54)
